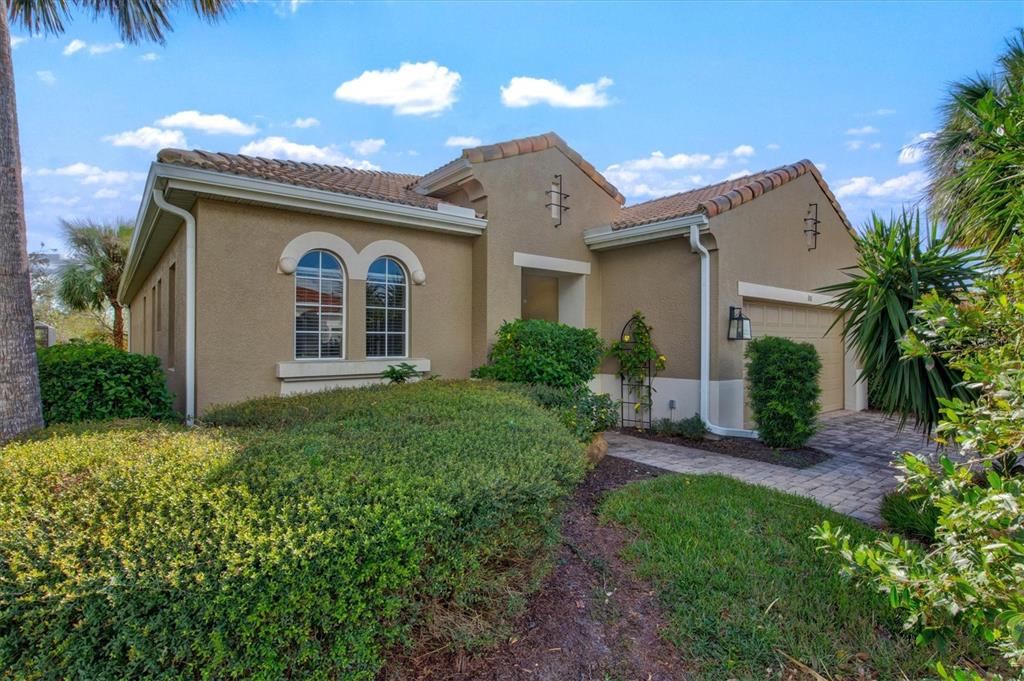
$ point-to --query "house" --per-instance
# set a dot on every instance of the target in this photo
(251, 276)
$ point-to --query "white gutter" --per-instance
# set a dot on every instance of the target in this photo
(190, 300)
(705, 339)
(604, 237)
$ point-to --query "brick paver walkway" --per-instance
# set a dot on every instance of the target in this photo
(853, 481)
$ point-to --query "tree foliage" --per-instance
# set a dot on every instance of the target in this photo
(899, 260)
(783, 379)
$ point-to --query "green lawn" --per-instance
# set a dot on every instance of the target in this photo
(743, 584)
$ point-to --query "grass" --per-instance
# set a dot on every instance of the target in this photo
(302, 537)
(744, 586)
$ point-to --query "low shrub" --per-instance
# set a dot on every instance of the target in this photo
(331, 528)
(582, 411)
(910, 514)
(92, 381)
(692, 428)
(783, 380)
(399, 373)
(538, 351)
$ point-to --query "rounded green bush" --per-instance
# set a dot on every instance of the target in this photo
(94, 381)
(783, 380)
(305, 544)
(538, 351)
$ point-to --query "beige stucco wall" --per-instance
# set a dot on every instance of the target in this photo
(141, 337)
(762, 242)
(244, 307)
(517, 220)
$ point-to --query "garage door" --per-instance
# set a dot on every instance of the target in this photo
(807, 324)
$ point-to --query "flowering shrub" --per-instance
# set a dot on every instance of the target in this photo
(636, 354)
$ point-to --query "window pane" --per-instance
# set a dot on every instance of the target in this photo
(330, 322)
(375, 345)
(330, 345)
(307, 291)
(396, 296)
(396, 345)
(375, 294)
(396, 275)
(332, 268)
(306, 345)
(306, 319)
(378, 270)
(331, 291)
(374, 319)
(396, 321)
(308, 265)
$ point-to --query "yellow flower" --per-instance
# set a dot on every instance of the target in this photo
(625, 338)
(661, 357)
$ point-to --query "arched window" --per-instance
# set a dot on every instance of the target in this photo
(319, 307)
(387, 309)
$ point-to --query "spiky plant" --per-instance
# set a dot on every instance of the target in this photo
(899, 260)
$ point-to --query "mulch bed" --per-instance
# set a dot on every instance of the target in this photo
(592, 618)
(742, 448)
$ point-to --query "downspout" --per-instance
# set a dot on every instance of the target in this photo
(705, 339)
(190, 300)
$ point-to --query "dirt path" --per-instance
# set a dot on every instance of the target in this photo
(592, 619)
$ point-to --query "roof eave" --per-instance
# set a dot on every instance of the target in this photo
(607, 237)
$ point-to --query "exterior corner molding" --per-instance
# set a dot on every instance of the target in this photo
(544, 262)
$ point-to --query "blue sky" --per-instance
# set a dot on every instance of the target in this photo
(660, 97)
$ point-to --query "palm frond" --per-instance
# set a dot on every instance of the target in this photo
(136, 20)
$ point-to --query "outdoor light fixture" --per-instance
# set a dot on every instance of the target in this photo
(811, 223)
(739, 325)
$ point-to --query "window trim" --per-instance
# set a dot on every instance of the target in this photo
(344, 311)
(406, 310)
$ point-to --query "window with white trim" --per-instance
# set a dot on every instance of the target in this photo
(387, 309)
(319, 307)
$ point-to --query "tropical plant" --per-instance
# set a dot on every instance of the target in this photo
(899, 260)
(20, 405)
(89, 281)
(783, 379)
(400, 373)
(973, 575)
(976, 156)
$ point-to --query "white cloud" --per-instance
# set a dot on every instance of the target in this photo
(60, 200)
(524, 91)
(906, 186)
(89, 174)
(884, 112)
(308, 122)
(74, 46)
(211, 124)
(286, 8)
(743, 151)
(148, 138)
(914, 151)
(105, 47)
(411, 89)
(367, 146)
(47, 77)
(875, 145)
(865, 130)
(738, 174)
(772, 147)
(854, 145)
(106, 194)
(17, 40)
(283, 148)
(463, 141)
(150, 56)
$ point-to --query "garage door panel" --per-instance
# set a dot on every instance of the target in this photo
(805, 324)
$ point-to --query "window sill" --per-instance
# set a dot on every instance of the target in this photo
(317, 370)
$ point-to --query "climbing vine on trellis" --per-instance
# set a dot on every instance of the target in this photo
(639, 362)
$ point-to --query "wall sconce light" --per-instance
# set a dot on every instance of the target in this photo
(739, 324)
(557, 200)
(811, 223)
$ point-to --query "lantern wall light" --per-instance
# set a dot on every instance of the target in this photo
(739, 324)
(811, 223)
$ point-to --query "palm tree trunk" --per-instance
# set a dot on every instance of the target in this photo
(118, 324)
(20, 407)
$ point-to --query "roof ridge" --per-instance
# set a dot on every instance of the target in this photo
(694, 189)
(170, 154)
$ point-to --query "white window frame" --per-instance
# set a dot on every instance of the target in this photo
(319, 307)
(406, 310)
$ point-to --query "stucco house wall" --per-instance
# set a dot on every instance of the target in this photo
(141, 338)
(245, 306)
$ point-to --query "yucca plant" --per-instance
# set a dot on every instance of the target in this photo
(901, 259)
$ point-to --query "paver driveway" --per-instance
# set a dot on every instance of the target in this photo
(853, 481)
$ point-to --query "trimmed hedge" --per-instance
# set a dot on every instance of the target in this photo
(538, 351)
(584, 412)
(692, 428)
(94, 381)
(783, 380)
(305, 542)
